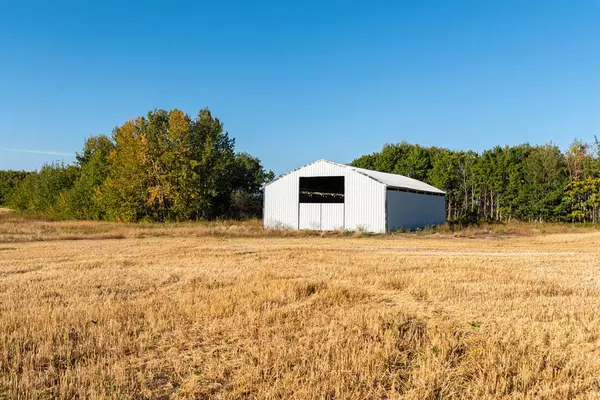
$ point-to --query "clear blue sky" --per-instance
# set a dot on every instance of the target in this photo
(295, 81)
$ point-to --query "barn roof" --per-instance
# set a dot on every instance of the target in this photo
(394, 180)
(390, 180)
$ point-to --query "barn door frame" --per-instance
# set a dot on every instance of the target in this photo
(322, 190)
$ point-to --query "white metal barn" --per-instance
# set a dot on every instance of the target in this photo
(327, 196)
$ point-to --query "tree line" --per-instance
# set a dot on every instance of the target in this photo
(524, 182)
(164, 166)
(9, 180)
(167, 166)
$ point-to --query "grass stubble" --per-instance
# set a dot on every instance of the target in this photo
(228, 311)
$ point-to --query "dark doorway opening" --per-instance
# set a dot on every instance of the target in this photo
(322, 189)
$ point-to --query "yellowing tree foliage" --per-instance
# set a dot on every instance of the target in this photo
(162, 166)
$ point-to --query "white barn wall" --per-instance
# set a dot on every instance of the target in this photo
(332, 216)
(364, 198)
(322, 216)
(281, 204)
(412, 211)
(312, 216)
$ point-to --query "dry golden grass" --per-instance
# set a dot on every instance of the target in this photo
(205, 311)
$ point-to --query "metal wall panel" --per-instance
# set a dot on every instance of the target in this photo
(414, 211)
(281, 204)
(332, 217)
(310, 216)
(364, 197)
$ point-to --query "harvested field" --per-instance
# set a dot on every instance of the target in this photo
(198, 311)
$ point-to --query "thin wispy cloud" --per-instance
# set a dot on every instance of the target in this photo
(53, 153)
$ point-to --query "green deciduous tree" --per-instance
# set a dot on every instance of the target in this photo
(249, 176)
(520, 182)
(83, 201)
(44, 192)
(9, 180)
(213, 161)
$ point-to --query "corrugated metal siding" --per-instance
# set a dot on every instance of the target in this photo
(310, 216)
(332, 217)
(364, 198)
(281, 204)
(413, 211)
(325, 217)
